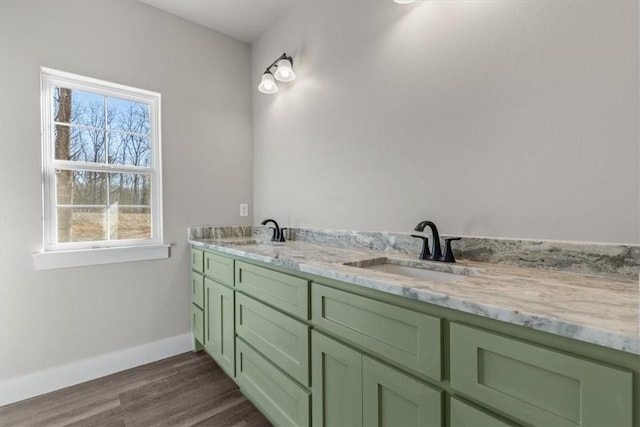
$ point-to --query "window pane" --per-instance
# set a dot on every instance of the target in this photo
(129, 149)
(81, 187)
(77, 107)
(79, 144)
(128, 116)
(130, 189)
(129, 223)
(79, 224)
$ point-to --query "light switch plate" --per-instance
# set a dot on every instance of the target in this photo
(244, 209)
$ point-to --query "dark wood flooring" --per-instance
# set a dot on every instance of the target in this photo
(185, 390)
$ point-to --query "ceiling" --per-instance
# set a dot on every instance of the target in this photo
(244, 20)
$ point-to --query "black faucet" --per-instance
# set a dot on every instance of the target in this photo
(437, 251)
(278, 233)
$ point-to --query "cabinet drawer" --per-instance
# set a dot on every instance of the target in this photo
(197, 289)
(283, 401)
(400, 335)
(290, 294)
(536, 385)
(219, 268)
(464, 415)
(197, 323)
(283, 340)
(197, 257)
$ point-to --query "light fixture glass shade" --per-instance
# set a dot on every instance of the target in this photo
(285, 73)
(268, 84)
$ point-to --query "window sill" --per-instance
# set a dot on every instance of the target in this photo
(84, 257)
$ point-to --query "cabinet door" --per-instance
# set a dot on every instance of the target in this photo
(337, 383)
(224, 328)
(219, 327)
(538, 385)
(391, 398)
(210, 316)
(463, 415)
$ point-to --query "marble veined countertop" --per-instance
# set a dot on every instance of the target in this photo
(600, 309)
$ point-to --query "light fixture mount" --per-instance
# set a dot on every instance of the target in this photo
(284, 73)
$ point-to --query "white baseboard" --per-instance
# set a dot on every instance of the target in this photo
(45, 381)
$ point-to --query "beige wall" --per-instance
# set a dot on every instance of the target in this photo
(56, 317)
(492, 118)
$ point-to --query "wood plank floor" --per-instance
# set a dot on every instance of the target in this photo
(185, 390)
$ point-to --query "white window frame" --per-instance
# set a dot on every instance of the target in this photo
(68, 254)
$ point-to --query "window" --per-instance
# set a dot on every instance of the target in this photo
(101, 164)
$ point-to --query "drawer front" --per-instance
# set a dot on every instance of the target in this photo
(288, 293)
(392, 398)
(283, 340)
(197, 289)
(197, 323)
(464, 415)
(283, 401)
(403, 336)
(197, 260)
(536, 385)
(219, 268)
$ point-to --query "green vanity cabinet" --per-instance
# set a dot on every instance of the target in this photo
(219, 339)
(308, 350)
(538, 385)
(352, 389)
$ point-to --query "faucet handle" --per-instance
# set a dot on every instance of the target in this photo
(281, 238)
(424, 253)
(448, 252)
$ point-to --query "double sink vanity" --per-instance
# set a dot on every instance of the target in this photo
(352, 329)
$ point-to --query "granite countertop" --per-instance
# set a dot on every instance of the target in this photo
(599, 309)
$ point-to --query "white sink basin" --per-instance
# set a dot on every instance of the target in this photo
(416, 273)
(416, 270)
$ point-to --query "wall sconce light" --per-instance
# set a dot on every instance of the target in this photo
(284, 73)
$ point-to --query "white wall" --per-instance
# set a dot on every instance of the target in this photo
(59, 317)
(492, 118)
